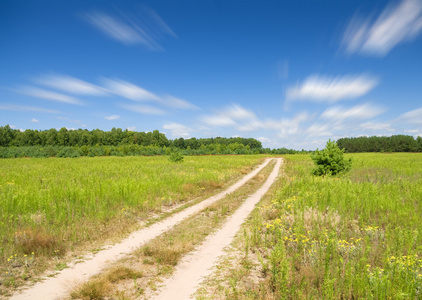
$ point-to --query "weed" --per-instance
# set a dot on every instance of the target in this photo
(101, 286)
(353, 236)
(34, 240)
(47, 201)
(92, 290)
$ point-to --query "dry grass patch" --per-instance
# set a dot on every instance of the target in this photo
(312, 217)
(36, 240)
(101, 287)
(164, 256)
(208, 185)
(189, 188)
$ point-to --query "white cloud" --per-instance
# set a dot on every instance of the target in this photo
(131, 128)
(177, 103)
(218, 120)
(12, 107)
(394, 25)
(129, 30)
(331, 89)
(251, 125)
(376, 126)
(178, 130)
(144, 109)
(414, 116)
(136, 93)
(319, 130)
(242, 119)
(130, 91)
(411, 131)
(363, 111)
(112, 117)
(35, 120)
(71, 85)
(237, 112)
(232, 116)
(49, 95)
(288, 127)
(264, 139)
(118, 29)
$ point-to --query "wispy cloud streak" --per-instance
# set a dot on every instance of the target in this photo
(144, 109)
(71, 85)
(112, 117)
(331, 89)
(363, 111)
(129, 30)
(177, 103)
(394, 25)
(413, 116)
(18, 108)
(49, 95)
(129, 90)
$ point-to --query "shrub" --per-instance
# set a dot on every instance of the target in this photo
(330, 161)
(176, 157)
(68, 152)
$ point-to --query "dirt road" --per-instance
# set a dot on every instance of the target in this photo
(195, 266)
(58, 287)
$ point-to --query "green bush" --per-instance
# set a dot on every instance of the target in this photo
(68, 152)
(176, 157)
(330, 161)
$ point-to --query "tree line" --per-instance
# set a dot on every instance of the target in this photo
(82, 137)
(394, 143)
(118, 142)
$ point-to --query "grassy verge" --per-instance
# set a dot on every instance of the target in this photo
(44, 203)
(158, 258)
(355, 236)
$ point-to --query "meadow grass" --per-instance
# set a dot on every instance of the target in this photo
(158, 258)
(353, 236)
(52, 205)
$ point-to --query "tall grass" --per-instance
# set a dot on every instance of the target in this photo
(47, 206)
(353, 236)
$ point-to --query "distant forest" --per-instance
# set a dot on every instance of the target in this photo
(395, 143)
(83, 142)
(118, 142)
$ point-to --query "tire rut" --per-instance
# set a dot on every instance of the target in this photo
(59, 286)
(197, 265)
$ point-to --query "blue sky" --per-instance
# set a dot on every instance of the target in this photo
(289, 73)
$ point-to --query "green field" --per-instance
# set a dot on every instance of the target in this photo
(357, 235)
(353, 236)
(49, 206)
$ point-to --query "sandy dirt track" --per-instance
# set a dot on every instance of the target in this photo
(58, 287)
(195, 266)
